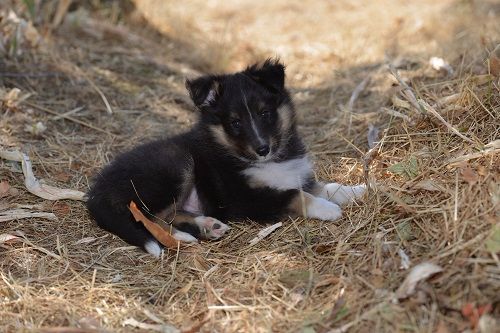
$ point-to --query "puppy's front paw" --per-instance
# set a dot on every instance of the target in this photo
(341, 194)
(322, 209)
(211, 228)
(184, 236)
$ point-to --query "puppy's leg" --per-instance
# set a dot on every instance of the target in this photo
(337, 193)
(307, 205)
(154, 176)
(120, 222)
(201, 227)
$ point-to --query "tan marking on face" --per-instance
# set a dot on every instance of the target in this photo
(220, 136)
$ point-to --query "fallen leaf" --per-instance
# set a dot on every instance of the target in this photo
(7, 190)
(473, 313)
(61, 209)
(17, 214)
(469, 175)
(4, 188)
(482, 79)
(46, 191)
(34, 186)
(6, 238)
(85, 240)
(265, 232)
(372, 135)
(493, 241)
(162, 235)
(428, 185)
(405, 231)
(396, 101)
(418, 273)
(407, 169)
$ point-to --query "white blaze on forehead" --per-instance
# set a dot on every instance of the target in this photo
(292, 174)
(252, 122)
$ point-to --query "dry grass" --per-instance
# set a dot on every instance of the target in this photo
(308, 276)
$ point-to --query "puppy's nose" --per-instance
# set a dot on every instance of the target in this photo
(263, 150)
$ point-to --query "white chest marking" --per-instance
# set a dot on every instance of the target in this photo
(287, 175)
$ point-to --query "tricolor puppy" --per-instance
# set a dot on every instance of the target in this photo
(243, 159)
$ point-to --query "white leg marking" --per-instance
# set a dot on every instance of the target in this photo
(319, 208)
(211, 228)
(152, 247)
(341, 194)
(184, 236)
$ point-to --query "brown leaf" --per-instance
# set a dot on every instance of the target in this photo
(428, 185)
(61, 209)
(469, 175)
(7, 238)
(162, 235)
(4, 188)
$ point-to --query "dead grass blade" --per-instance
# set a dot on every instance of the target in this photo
(418, 273)
(34, 186)
(17, 214)
(264, 233)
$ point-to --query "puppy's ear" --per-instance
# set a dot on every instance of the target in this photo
(270, 74)
(204, 91)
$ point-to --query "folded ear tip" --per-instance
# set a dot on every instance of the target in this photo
(203, 90)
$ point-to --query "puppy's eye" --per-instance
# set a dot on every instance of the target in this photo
(264, 113)
(236, 124)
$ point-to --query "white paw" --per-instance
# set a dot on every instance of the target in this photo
(319, 208)
(211, 228)
(341, 194)
(184, 236)
(152, 247)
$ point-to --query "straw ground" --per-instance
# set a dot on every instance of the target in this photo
(103, 77)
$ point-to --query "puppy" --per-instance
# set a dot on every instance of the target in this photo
(243, 159)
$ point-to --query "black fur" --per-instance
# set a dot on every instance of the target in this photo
(162, 173)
